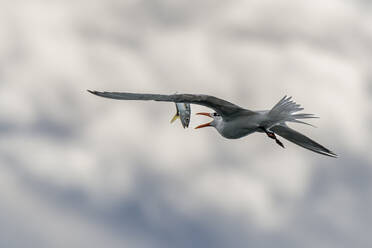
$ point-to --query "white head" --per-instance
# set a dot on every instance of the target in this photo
(217, 120)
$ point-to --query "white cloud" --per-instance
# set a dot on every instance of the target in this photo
(131, 174)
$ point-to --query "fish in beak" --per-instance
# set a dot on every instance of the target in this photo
(183, 112)
(206, 124)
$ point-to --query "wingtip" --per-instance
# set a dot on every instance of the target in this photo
(94, 92)
(330, 154)
(334, 155)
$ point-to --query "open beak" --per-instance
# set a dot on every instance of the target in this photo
(206, 124)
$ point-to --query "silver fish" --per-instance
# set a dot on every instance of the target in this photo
(183, 112)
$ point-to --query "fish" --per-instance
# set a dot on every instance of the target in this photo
(183, 113)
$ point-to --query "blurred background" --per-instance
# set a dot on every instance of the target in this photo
(83, 171)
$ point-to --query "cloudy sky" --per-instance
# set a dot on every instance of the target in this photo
(83, 171)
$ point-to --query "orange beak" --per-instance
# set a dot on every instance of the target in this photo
(206, 124)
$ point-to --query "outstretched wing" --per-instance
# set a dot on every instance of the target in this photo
(301, 140)
(222, 107)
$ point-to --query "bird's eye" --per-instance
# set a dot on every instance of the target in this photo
(215, 114)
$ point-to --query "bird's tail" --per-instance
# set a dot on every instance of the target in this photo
(285, 110)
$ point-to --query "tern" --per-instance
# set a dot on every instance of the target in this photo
(234, 122)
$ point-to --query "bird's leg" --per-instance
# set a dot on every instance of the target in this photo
(269, 133)
(272, 136)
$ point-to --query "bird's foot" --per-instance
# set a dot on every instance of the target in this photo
(279, 143)
(272, 135)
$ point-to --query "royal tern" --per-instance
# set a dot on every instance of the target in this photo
(234, 122)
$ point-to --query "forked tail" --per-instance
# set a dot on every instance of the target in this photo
(285, 110)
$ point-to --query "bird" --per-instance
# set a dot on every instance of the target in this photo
(234, 122)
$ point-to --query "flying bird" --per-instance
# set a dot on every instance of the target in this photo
(234, 122)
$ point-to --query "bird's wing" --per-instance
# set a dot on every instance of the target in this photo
(301, 140)
(222, 107)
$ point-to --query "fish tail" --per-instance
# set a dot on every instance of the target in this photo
(176, 116)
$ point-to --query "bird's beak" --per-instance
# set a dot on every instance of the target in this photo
(206, 124)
